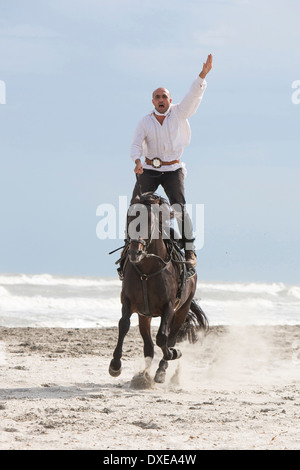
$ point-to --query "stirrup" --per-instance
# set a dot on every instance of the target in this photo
(191, 259)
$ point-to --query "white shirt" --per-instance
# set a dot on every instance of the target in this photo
(167, 140)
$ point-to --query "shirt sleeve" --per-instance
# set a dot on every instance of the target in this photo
(189, 105)
(136, 149)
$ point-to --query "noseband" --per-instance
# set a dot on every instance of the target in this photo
(144, 251)
(145, 245)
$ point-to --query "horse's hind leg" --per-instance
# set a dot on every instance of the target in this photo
(179, 319)
(162, 340)
(115, 366)
(160, 374)
(163, 332)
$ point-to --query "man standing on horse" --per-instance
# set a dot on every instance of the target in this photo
(160, 138)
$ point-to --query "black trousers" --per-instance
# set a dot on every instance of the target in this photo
(173, 185)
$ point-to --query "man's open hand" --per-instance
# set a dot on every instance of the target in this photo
(207, 66)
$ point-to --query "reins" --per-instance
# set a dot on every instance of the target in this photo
(144, 277)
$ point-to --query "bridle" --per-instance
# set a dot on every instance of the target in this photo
(145, 276)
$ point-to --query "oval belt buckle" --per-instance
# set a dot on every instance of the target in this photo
(156, 162)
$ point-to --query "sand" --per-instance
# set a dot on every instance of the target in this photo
(237, 388)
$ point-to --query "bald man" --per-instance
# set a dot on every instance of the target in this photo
(159, 139)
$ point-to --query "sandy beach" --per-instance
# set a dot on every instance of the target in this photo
(237, 388)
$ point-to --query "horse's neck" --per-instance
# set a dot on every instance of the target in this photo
(158, 247)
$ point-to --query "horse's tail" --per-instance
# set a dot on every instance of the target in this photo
(200, 315)
(195, 322)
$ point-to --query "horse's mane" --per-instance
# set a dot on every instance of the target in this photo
(165, 213)
(148, 199)
(151, 198)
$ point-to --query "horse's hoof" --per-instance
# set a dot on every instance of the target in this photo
(115, 367)
(160, 377)
(113, 372)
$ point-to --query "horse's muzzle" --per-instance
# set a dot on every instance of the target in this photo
(137, 251)
(135, 257)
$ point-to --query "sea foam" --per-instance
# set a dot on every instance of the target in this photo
(70, 301)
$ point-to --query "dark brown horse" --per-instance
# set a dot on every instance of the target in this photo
(151, 286)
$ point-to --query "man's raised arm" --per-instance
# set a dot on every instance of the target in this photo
(207, 66)
(189, 104)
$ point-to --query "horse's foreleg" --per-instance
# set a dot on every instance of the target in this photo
(115, 366)
(144, 326)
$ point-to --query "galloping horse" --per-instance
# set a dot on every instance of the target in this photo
(153, 287)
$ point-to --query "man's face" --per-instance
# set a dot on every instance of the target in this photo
(161, 100)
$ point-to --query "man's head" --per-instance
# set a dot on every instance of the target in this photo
(161, 100)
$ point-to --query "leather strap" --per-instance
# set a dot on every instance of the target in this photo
(149, 162)
(144, 278)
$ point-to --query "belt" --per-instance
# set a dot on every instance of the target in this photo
(157, 163)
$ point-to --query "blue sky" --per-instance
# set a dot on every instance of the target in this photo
(79, 75)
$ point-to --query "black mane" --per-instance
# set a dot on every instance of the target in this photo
(150, 198)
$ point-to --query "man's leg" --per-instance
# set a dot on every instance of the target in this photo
(148, 181)
(173, 184)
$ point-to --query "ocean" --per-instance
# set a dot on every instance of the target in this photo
(45, 300)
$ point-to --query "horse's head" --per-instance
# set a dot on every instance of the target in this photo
(146, 217)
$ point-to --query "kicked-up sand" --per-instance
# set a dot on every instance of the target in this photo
(237, 388)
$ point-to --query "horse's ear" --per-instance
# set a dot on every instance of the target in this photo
(136, 200)
(147, 198)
